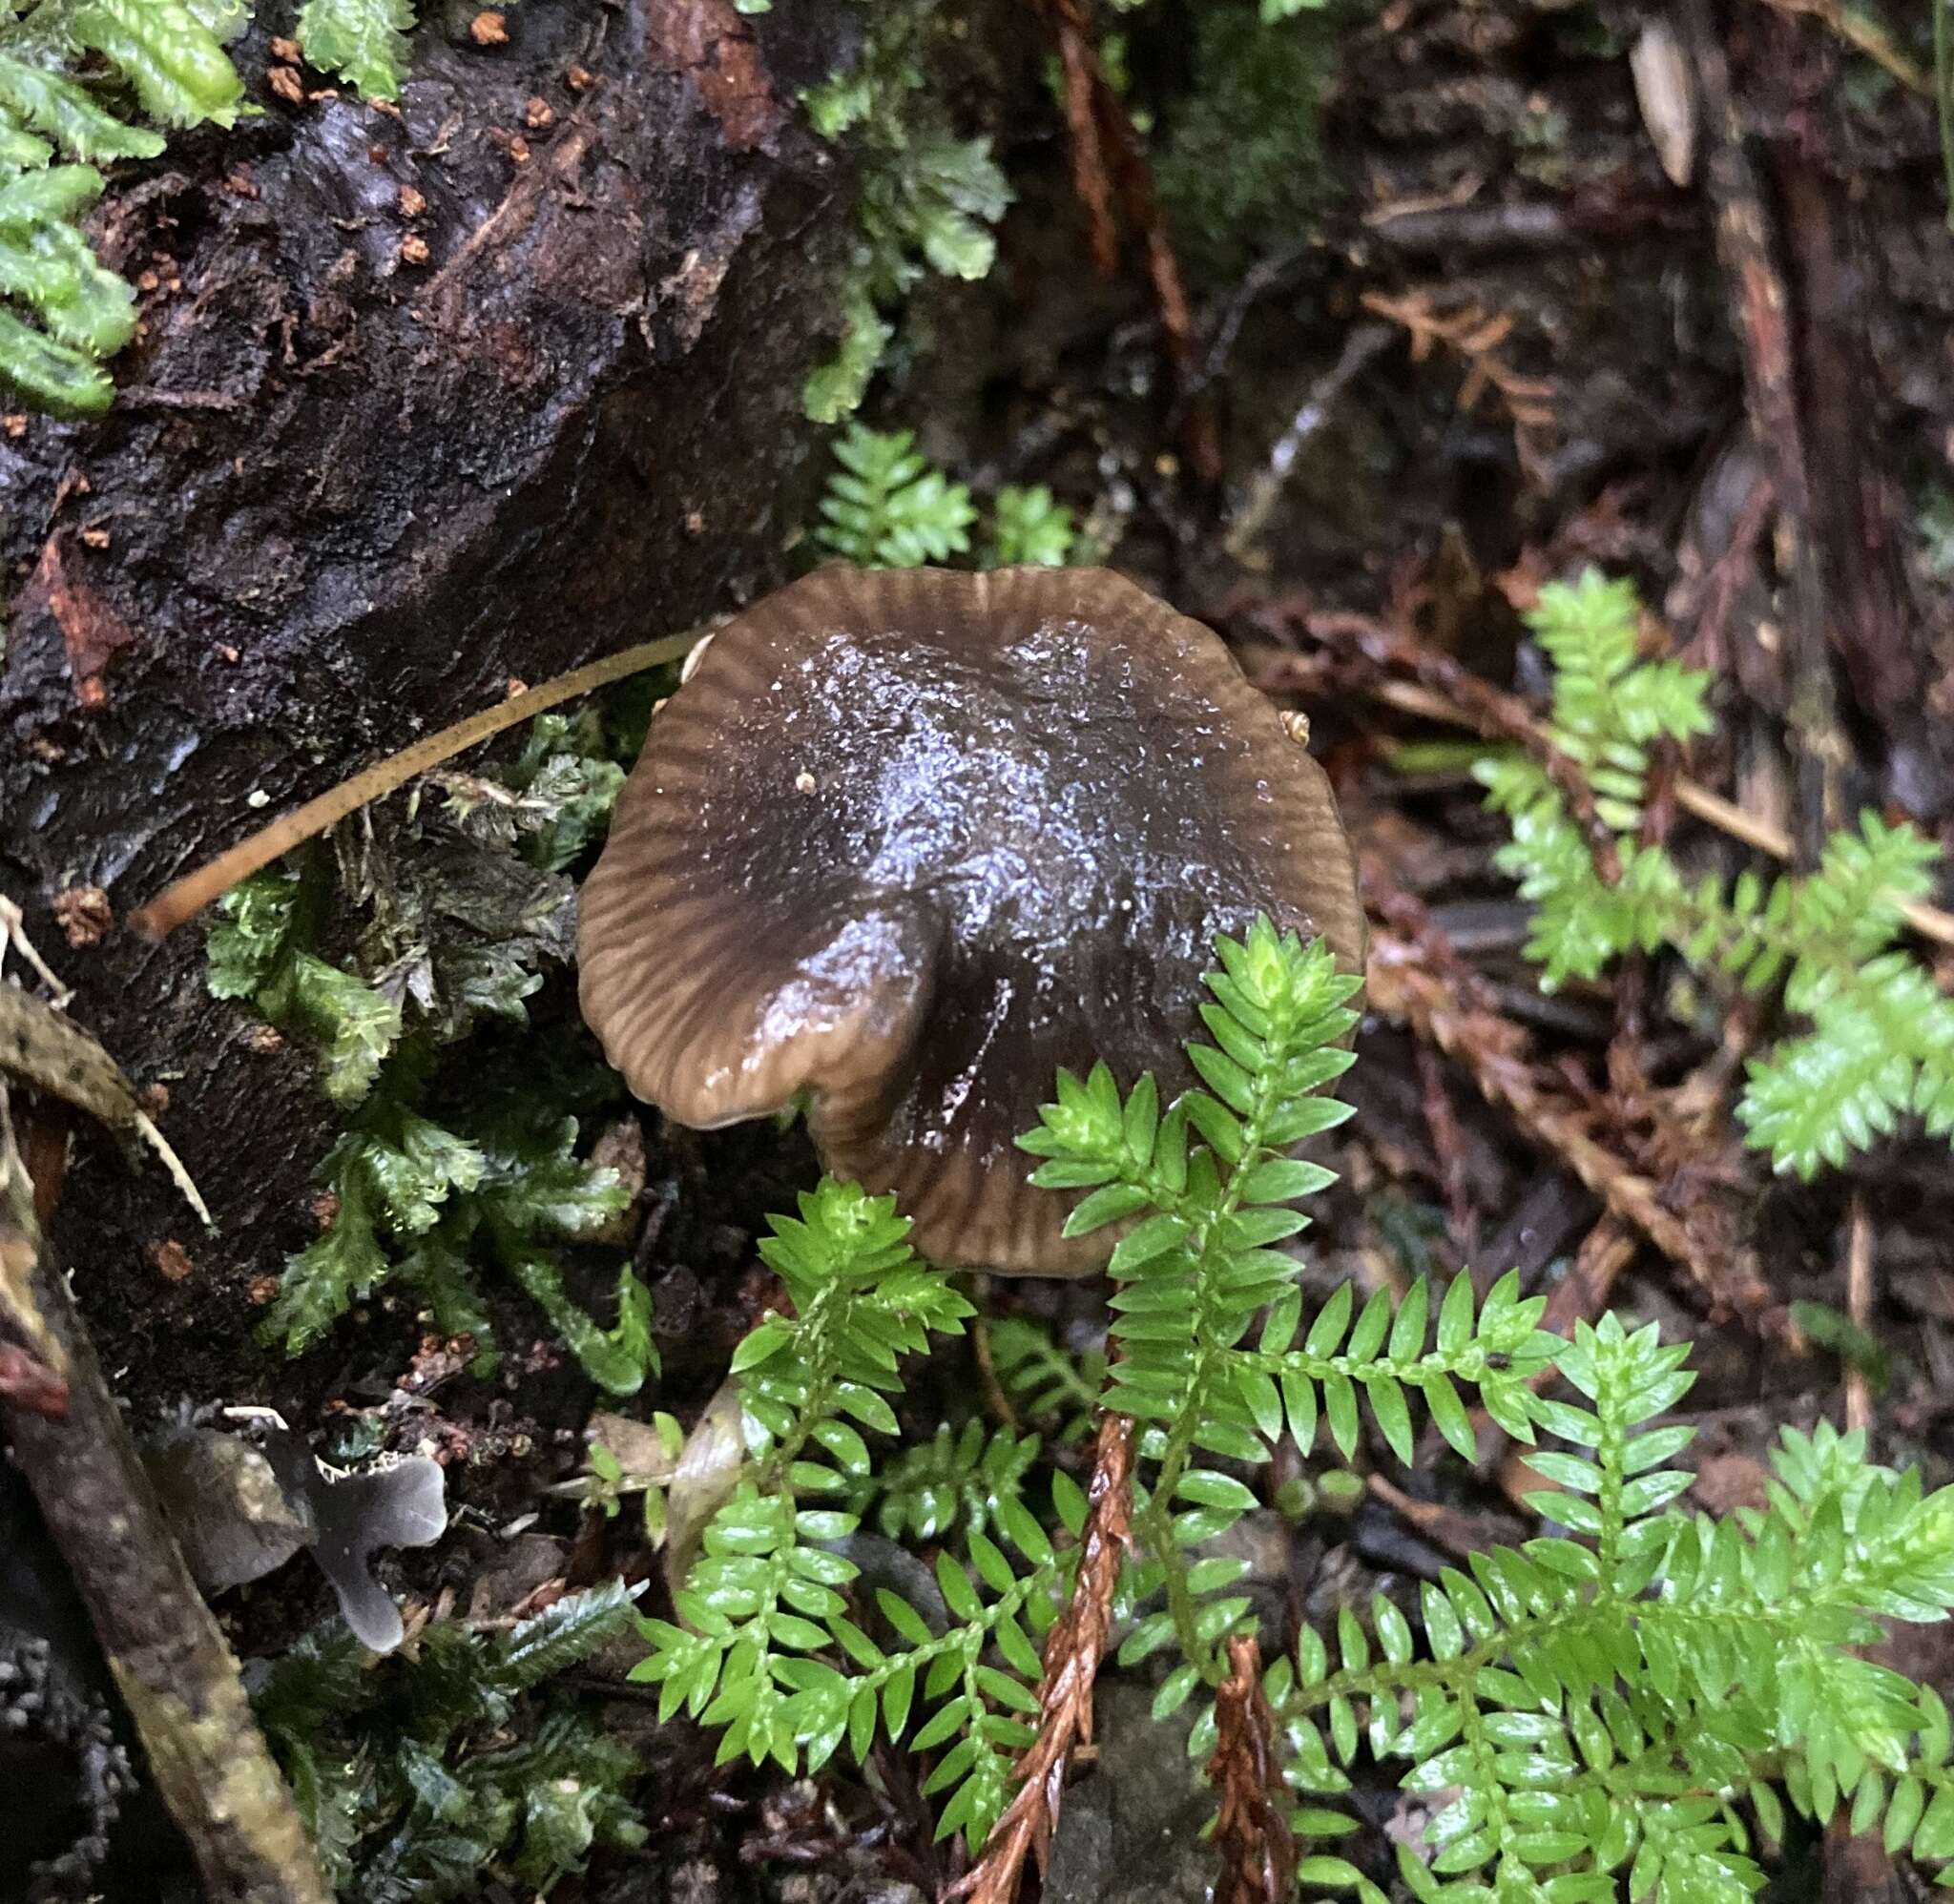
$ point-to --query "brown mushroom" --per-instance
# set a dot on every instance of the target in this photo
(908, 842)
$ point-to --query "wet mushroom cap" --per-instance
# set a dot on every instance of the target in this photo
(910, 840)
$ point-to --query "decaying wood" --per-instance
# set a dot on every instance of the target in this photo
(170, 1663)
(346, 495)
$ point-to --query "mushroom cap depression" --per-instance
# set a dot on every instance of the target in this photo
(910, 840)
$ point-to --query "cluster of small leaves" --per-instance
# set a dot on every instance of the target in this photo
(927, 198)
(429, 1203)
(552, 801)
(1205, 1189)
(364, 41)
(56, 127)
(1056, 1392)
(1030, 528)
(888, 506)
(430, 1196)
(771, 1650)
(954, 1480)
(1880, 1042)
(258, 950)
(421, 1775)
(1607, 1703)
(71, 72)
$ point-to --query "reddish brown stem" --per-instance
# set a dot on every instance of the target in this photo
(1251, 1832)
(1073, 1652)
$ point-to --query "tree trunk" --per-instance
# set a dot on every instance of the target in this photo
(424, 401)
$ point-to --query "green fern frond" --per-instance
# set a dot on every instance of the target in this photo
(887, 507)
(1205, 1189)
(1031, 527)
(769, 1651)
(429, 1203)
(256, 951)
(1880, 1042)
(1053, 1390)
(68, 116)
(175, 63)
(927, 199)
(956, 1478)
(1598, 1700)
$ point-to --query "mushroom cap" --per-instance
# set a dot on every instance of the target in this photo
(910, 840)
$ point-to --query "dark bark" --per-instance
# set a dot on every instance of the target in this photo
(345, 497)
(1858, 515)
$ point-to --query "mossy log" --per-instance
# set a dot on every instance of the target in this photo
(424, 402)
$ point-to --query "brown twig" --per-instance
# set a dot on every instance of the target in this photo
(210, 1762)
(1859, 1306)
(1073, 1652)
(195, 891)
(1491, 711)
(1414, 975)
(1251, 1833)
(1114, 182)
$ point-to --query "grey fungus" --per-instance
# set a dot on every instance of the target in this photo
(242, 1506)
(908, 842)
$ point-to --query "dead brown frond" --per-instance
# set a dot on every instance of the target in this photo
(1073, 1652)
(1414, 975)
(1474, 335)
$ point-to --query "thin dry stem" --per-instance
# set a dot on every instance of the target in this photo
(1073, 1652)
(1859, 1304)
(191, 894)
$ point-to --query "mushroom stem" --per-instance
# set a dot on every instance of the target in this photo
(195, 891)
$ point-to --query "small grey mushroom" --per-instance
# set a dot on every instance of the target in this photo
(241, 1508)
(400, 1501)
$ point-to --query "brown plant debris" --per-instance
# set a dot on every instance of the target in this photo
(1114, 182)
(1258, 1852)
(1391, 648)
(1474, 335)
(211, 1764)
(1073, 1652)
(1414, 975)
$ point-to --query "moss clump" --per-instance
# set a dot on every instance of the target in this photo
(1241, 169)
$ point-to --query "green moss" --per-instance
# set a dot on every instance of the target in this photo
(1241, 170)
